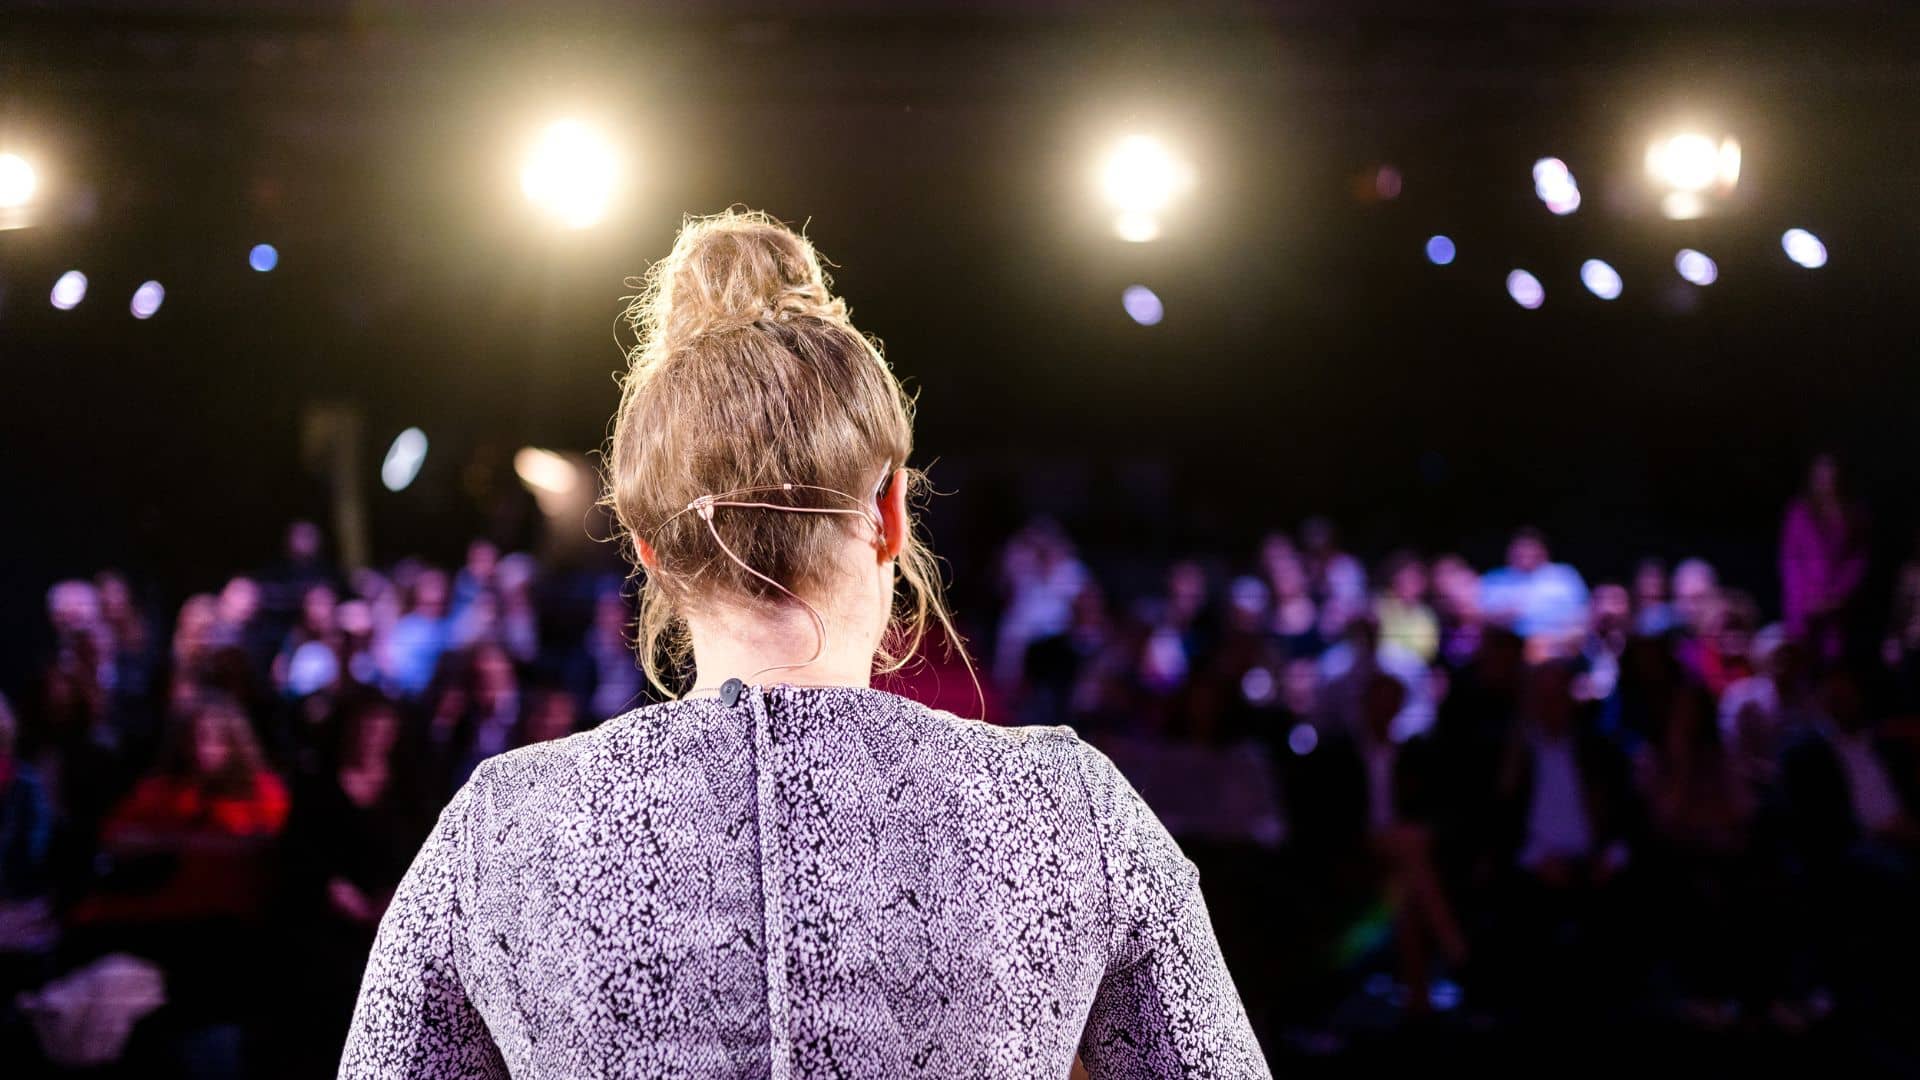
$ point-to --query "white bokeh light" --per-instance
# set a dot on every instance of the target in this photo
(1694, 162)
(1526, 289)
(1141, 174)
(18, 181)
(1600, 279)
(69, 290)
(1142, 305)
(1696, 266)
(1553, 182)
(404, 458)
(147, 299)
(571, 174)
(1804, 248)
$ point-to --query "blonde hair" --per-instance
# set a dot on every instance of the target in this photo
(747, 372)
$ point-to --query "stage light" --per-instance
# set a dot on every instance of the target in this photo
(1440, 250)
(545, 471)
(404, 458)
(1696, 267)
(1553, 182)
(571, 174)
(18, 181)
(263, 257)
(147, 299)
(1142, 174)
(1141, 177)
(1142, 305)
(1804, 248)
(1600, 279)
(69, 290)
(1695, 162)
(1526, 290)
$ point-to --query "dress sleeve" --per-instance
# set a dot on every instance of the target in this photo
(1167, 1006)
(413, 1018)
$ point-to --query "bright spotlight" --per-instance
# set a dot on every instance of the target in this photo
(404, 458)
(1440, 250)
(545, 471)
(1525, 289)
(1600, 279)
(147, 299)
(263, 257)
(69, 290)
(1142, 175)
(1553, 182)
(1804, 248)
(18, 181)
(1696, 267)
(1695, 162)
(1142, 305)
(571, 174)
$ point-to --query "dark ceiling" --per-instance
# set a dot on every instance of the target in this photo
(1310, 360)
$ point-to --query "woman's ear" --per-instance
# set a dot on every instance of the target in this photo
(894, 525)
(647, 558)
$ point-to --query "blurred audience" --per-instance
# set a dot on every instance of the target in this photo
(1643, 795)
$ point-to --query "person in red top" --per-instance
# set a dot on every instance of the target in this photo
(196, 830)
(213, 780)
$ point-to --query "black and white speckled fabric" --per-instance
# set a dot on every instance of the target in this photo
(813, 882)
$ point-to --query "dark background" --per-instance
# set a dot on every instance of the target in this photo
(1311, 360)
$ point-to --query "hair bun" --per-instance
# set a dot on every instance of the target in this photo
(727, 272)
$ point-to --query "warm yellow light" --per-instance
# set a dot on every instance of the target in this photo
(572, 174)
(18, 181)
(1694, 162)
(544, 471)
(1142, 175)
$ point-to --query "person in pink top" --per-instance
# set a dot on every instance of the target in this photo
(1823, 558)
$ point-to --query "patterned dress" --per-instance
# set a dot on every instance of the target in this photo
(807, 882)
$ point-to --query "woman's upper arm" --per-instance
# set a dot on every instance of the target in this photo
(1167, 1005)
(414, 1018)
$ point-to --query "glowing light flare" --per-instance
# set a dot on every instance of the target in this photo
(545, 471)
(263, 257)
(18, 181)
(1600, 279)
(1696, 267)
(69, 290)
(1804, 248)
(147, 299)
(1141, 174)
(404, 459)
(1142, 305)
(1695, 162)
(571, 174)
(1440, 250)
(1526, 289)
(1553, 182)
